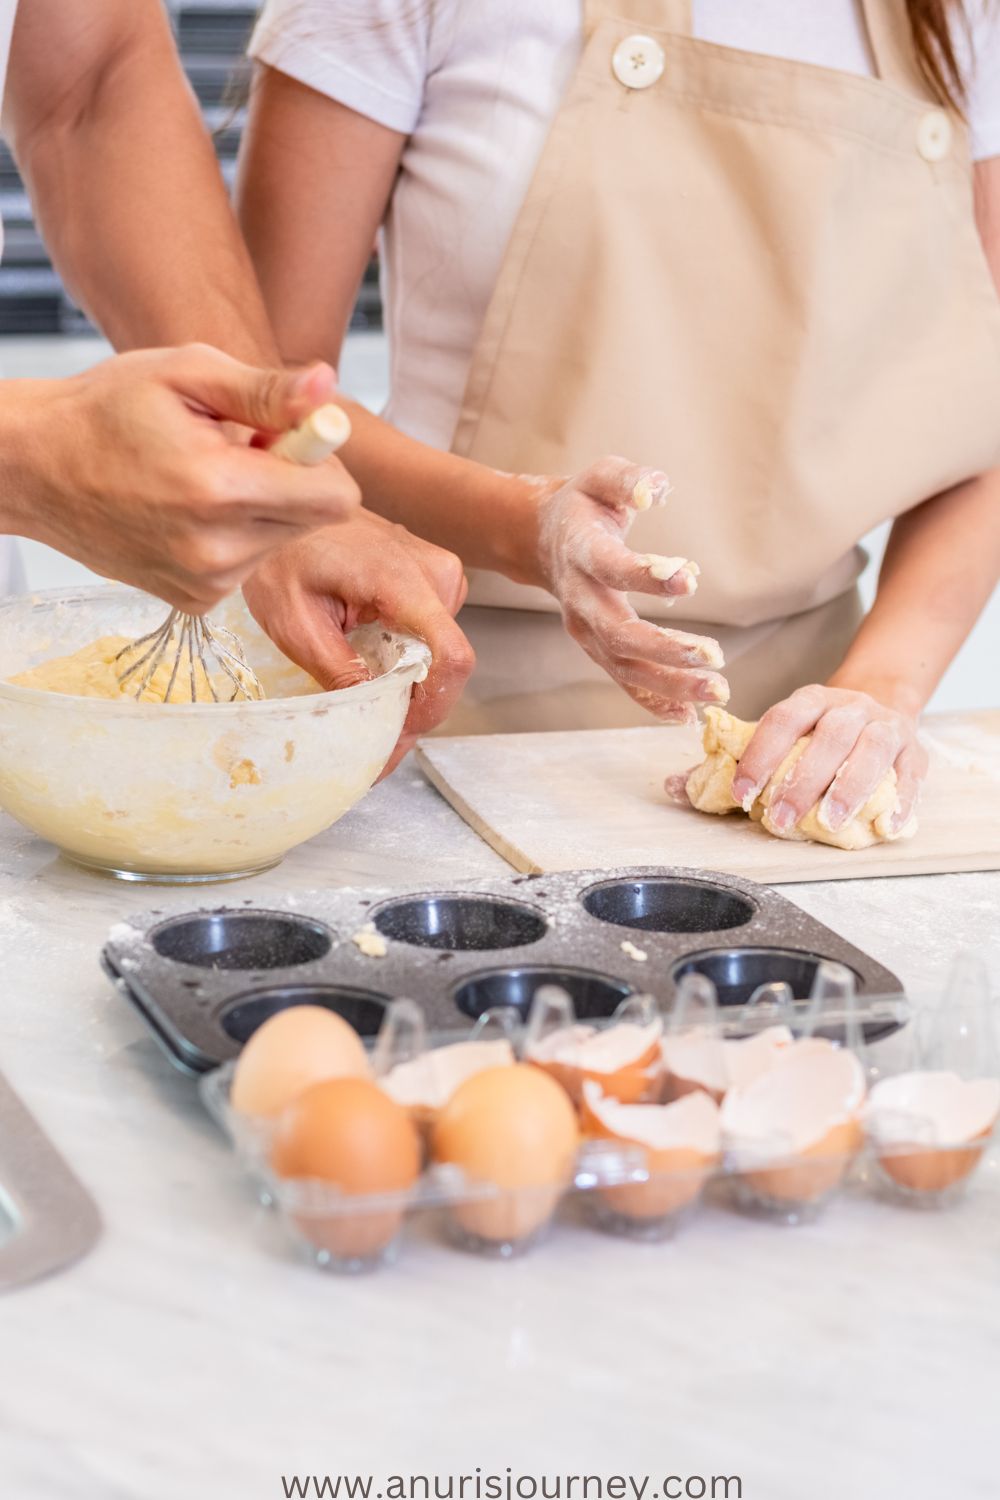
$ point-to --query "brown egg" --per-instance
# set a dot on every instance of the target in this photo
(293, 1050)
(347, 1132)
(681, 1142)
(513, 1127)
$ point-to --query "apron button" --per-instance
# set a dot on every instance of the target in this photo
(934, 134)
(638, 61)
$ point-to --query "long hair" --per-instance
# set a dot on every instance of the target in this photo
(933, 25)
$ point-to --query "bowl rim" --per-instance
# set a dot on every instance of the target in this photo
(413, 665)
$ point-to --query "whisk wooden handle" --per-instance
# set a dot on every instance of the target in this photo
(322, 433)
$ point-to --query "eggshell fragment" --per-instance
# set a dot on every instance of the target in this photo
(623, 1058)
(512, 1127)
(292, 1050)
(347, 1133)
(925, 1126)
(424, 1085)
(682, 1143)
(802, 1114)
(697, 1059)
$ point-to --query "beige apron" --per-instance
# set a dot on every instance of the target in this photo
(765, 277)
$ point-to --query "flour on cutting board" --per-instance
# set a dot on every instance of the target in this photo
(968, 748)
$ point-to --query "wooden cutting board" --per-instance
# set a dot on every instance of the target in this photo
(594, 799)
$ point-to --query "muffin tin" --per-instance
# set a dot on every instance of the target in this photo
(204, 980)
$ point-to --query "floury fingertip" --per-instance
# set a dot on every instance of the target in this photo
(663, 569)
(652, 489)
(831, 815)
(713, 692)
(746, 792)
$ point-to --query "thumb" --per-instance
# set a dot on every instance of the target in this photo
(309, 634)
(268, 400)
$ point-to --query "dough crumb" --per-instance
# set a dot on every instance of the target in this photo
(244, 773)
(370, 942)
(710, 789)
(631, 951)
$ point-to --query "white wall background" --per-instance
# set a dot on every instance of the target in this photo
(973, 680)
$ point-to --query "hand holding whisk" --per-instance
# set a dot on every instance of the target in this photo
(197, 657)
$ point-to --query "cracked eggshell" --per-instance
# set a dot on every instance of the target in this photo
(802, 1115)
(514, 1128)
(930, 1129)
(294, 1049)
(699, 1060)
(682, 1144)
(424, 1085)
(623, 1058)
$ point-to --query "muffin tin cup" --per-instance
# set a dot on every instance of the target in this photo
(600, 935)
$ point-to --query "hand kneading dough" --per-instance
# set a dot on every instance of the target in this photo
(710, 789)
(92, 672)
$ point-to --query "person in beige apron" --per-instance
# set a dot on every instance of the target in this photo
(769, 273)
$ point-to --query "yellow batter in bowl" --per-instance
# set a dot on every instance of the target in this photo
(92, 672)
(185, 791)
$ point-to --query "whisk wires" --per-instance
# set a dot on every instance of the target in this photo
(205, 649)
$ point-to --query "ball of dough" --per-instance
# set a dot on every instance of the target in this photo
(710, 789)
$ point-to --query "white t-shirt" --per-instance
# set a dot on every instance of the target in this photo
(11, 576)
(475, 85)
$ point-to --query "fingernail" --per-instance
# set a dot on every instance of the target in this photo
(350, 675)
(704, 656)
(782, 816)
(713, 692)
(832, 814)
(746, 792)
(652, 489)
(663, 568)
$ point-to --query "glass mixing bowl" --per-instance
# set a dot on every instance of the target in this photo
(188, 792)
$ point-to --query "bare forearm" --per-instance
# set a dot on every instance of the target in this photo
(488, 518)
(940, 567)
(128, 194)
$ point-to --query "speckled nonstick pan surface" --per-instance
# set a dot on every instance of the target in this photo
(204, 980)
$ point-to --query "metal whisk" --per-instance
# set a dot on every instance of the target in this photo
(193, 637)
(194, 647)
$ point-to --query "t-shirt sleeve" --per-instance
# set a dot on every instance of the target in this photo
(370, 55)
(984, 78)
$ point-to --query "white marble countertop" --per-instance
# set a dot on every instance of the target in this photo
(191, 1354)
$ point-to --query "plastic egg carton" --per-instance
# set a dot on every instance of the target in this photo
(204, 980)
(626, 1188)
(350, 1233)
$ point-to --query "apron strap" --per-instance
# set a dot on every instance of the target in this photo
(657, 15)
(891, 38)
